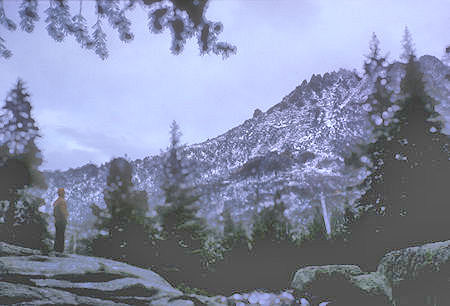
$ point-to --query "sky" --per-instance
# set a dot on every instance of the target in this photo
(89, 110)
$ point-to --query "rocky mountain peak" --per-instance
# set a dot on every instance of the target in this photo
(317, 87)
(296, 148)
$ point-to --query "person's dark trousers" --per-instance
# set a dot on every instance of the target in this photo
(59, 237)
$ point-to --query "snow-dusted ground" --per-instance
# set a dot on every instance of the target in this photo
(285, 298)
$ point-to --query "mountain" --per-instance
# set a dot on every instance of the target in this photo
(297, 148)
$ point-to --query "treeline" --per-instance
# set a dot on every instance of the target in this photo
(404, 201)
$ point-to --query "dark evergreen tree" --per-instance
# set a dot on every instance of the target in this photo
(272, 238)
(417, 176)
(184, 233)
(18, 148)
(408, 52)
(236, 259)
(30, 229)
(380, 111)
(271, 225)
(316, 230)
(234, 234)
(125, 231)
(367, 229)
(405, 199)
(317, 247)
(19, 162)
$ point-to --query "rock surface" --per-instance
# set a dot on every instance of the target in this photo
(413, 276)
(13, 250)
(419, 275)
(305, 277)
(28, 278)
(343, 284)
(374, 287)
(407, 277)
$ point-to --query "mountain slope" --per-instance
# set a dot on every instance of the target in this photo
(296, 148)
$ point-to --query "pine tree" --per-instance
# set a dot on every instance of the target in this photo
(19, 133)
(380, 111)
(272, 238)
(408, 52)
(236, 259)
(365, 232)
(316, 230)
(19, 162)
(124, 220)
(235, 236)
(405, 200)
(184, 19)
(99, 40)
(80, 31)
(417, 175)
(184, 233)
(271, 225)
(31, 225)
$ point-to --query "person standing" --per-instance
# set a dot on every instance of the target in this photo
(60, 213)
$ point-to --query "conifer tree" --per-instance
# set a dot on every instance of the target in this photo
(19, 162)
(19, 133)
(417, 175)
(316, 230)
(234, 234)
(30, 229)
(405, 197)
(272, 238)
(235, 260)
(124, 220)
(380, 111)
(408, 51)
(366, 231)
(184, 233)
(271, 225)
(184, 19)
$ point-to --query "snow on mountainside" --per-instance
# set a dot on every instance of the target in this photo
(296, 148)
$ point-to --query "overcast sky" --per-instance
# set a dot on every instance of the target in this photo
(91, 110)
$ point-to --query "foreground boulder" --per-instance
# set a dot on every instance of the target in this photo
(416, 276)
(419, 275)
(374, 287)
(28, 278)
(342, 284)
(305, 277)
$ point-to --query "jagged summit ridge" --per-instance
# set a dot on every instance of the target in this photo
(313, 89)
